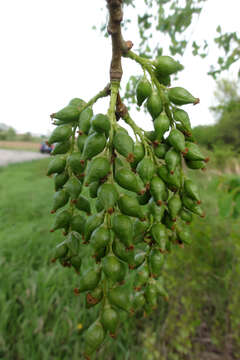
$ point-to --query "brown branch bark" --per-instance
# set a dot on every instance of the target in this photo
(119, 46)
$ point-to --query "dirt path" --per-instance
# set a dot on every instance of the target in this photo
(15, 156)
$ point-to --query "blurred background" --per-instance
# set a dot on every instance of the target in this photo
(54, 51)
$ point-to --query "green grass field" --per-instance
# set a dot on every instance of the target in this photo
(41, 318)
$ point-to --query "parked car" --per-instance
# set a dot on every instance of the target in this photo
(45, 149)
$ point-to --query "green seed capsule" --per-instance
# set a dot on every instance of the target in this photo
(92, 223)
(184, 236)
(93, 189)
(143, 199)
(109, 320)
(156, 211)
(158, 190)
(191, 190)
(60, 199)
(122, 253)
(174, 206)
(154, 104)
(73, 187)
(143, 91)
(180, 96)
(146, 170)
(163, 79)
(61, 148)
(196, 164)
(150, 135)
(67, 115)
(60, 251)
(172, 180)
(138, 153)
(94, 337)
(112, 268)
(160, 235)
(84, 120)
(123, 229)
(93, 297)
(99, 206)
(76, 262)
(56, 165)
(161, 125)
(168, 222)
(142, 277)
(120, 297)
(62, 220)
(186, 215)
(156, 261)
(138, 301)
(78, 103)
(108, 196)
(182, 117)
(139, 228)
(74, 161)
(78, 223)
(161, 150)
(166, 65)
(129, 206)
(172, 159)
(94, 145)
(60, 134)
(100, 238)
(90, 280)
(194, 153)
(60, 180)
(177, 140)
(128, 180)
(101, 124)
(98, 168)
(83, 204)
(81, 141)
(124, 144)
(151, 295)
(192, 206)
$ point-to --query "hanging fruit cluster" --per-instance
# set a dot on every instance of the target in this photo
(123, 204)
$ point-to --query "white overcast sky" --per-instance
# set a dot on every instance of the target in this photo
(49, 54)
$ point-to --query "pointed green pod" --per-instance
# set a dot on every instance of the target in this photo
(56, 165)
(99, 206)
(160, 235)
(78, 223)
(182, 117)
(129, 206)
(186, 216)
(73, 187)
(101, 124)
(60, 199)
(168, 222)
(156, 211)
(123, 228)
(124, 144)
(92, 223)
(97, 169)
(154, 104)
(138, 153)
(174, 206)
(122, 253)
(112, 268)
(60, 134)
(138, 301)
(60, 251)
(89, 280)
(177, 140)
(120, 297)
(158, 190)
(184, 236)
(163, 79)
(108, 196)
(142, 277)
(61, 148)
(140, 228)
(93, 297)
(143, 91)
(160, 150)
(195, 164)
(172, 180)
(156, 261)
(100, 238)
(166, 65)
(120, 162)
(144, 198)
(78, 103)
(74, 161)
(83, 204)
(194, 153)
(84, 120)
(62, 220)
(94, 145)
(76, 262)
(172, 159)
(94, 337)
(139, 257)
(110, 320)
(60, 180)
(128, 180)
(161, 125)
(81, 141)
(151, 295)
(66, 115)
(190, 204)
(93, 189)
(191, 190)
(146, 170)
(180, 96)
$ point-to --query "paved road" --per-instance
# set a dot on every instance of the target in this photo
(15, 156)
